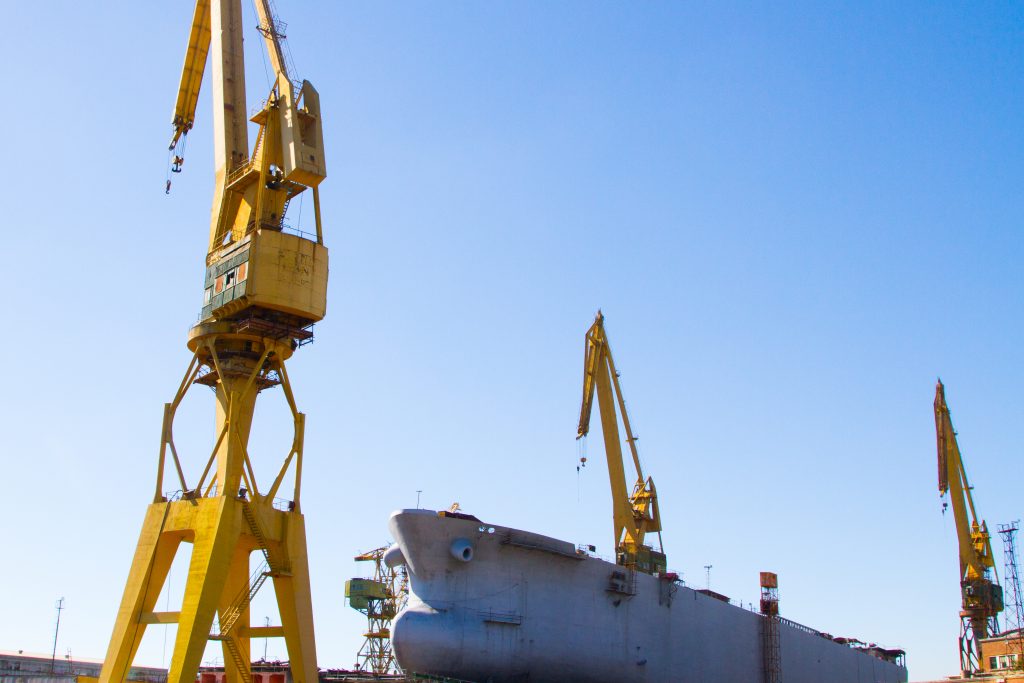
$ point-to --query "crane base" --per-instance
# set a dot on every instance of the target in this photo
(224, 531)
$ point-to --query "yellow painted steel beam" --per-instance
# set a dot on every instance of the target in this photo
(230, 121)
(230, 125)
(268, 29)
(159, 617)
(192, 72)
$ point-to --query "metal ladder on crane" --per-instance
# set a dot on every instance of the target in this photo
(271, 566)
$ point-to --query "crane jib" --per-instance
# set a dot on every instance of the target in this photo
(634, 514)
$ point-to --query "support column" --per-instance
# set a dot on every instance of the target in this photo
(217, 527)
(153, 557)
(295, 603)
(236, 585)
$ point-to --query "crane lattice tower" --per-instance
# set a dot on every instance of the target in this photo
(1014, 613)
(380, 598)
(265, 287)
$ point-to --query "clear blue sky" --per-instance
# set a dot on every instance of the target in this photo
(794, 217)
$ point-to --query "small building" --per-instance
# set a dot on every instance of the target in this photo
(999, 659)
(29, 667)
(1001, 654)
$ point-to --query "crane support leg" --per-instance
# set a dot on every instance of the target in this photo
(968, 653)
(152, 561)
(295, 604)
(235, 645)
(226, 519)
(216, 534)
(218, 584)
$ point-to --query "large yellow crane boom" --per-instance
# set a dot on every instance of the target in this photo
(265, 286)
(981, 596)
(273, 34)
(634, 514)
(250, 190)
(192, 72)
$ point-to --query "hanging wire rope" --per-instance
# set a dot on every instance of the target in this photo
(581, 462)
(167, 172)
(175, 158)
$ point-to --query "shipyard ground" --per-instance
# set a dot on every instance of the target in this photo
(21, 667)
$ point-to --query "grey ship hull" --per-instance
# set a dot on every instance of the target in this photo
(523, 607)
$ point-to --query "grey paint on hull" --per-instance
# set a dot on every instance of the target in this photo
(527, 607)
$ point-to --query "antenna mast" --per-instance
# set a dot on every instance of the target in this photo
(56, 631)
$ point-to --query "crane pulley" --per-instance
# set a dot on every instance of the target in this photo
(981, 594)
(634, 514)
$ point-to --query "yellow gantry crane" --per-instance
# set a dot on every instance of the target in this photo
(636, 514)
(981, 595)
(264, 288)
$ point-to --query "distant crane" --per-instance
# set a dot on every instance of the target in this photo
(264, 288)
(380, 598)
(1013, 623)
(771, 642)
(981, 595)
(636, 514)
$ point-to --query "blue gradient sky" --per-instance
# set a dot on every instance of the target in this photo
(794, 217)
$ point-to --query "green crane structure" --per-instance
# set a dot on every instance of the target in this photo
(380, 598)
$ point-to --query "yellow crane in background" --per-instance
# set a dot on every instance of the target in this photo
(264, 288)
(634, 514)
(982, 597)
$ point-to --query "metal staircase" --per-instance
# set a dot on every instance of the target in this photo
(277, 566)
(236, 657)
(284, 211)
(231, 616)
